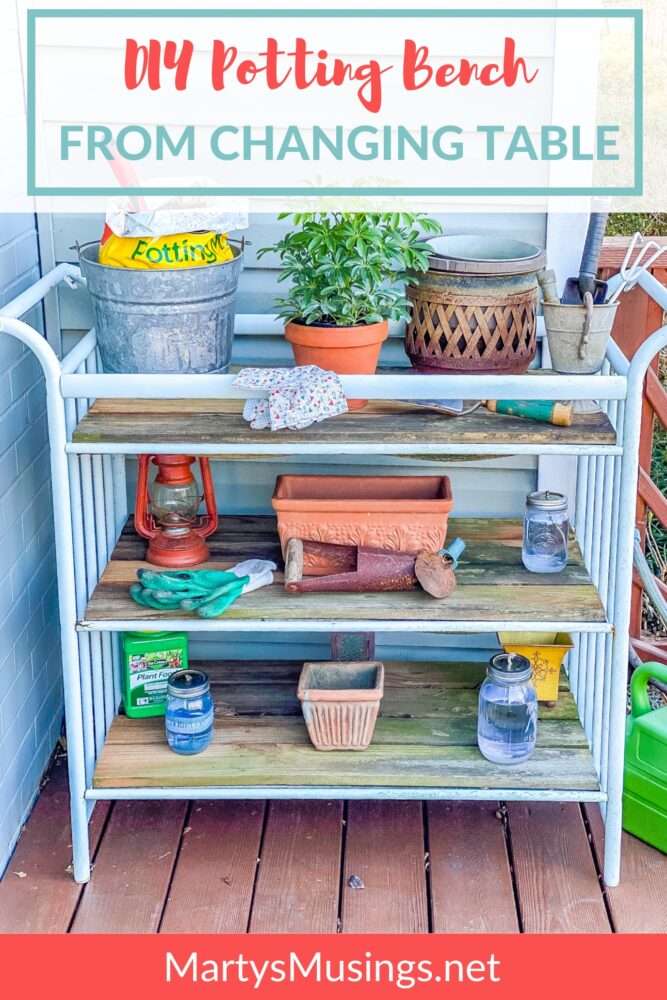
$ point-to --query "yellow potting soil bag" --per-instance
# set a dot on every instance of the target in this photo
(178, 250)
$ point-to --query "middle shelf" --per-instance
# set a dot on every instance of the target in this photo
(494, 591)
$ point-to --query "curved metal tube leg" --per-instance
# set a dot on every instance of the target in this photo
(622, 599)
(66, 590)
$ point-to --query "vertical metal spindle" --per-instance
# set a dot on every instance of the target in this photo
(90, 551)
(119, 492)
(595, 641)
(76, 514)
(617, 415)
(574, 657)
(101, 534)
(601, 642)
(583, 517)
(112, 519)
(590, 520)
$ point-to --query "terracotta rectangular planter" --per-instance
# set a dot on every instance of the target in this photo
(340, 703)
(403, 513)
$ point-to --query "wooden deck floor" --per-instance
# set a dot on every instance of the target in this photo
(286, 867)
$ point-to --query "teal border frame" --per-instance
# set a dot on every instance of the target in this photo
(636, 15)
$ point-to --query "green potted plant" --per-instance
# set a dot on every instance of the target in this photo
(348, 272)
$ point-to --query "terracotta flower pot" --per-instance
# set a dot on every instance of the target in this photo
(346, 350)
(340, 703)
(403, 513)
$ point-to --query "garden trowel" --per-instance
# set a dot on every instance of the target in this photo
(576, 288)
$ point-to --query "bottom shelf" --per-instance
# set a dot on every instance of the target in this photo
(424, 739)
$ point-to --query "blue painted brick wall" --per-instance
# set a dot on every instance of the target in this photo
(30, 678)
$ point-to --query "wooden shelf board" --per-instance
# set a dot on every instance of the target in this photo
(492, 586)
(425, 737)
(220, 422)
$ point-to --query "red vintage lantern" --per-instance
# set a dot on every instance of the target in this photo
(166, 512)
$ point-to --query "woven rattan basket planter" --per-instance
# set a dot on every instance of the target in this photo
(475, 313)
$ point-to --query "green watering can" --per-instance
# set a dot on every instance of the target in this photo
(645, 778)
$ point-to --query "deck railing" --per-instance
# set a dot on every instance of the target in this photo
(638, 316)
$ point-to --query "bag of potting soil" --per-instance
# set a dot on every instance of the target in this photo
(173, 251)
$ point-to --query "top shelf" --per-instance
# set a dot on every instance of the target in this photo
(216, 426)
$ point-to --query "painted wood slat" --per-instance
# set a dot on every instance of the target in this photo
(250, 763)
(474, 603)
(133, 869)
(580, 604)
(400, 674)
(397, 732)
(443, 704)
(493, 551)
(299, 869)
(557, 884)
(639, 904)
(211, 891)
(221, 422)
(471, 883)
(44, 900)
(393, 899)
(450, 698)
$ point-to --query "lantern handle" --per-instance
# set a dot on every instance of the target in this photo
(143, 525)
(209, 522)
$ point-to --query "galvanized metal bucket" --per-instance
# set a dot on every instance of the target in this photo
(578, 336)
(178, 321)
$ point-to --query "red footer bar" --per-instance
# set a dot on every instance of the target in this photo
(521, 967)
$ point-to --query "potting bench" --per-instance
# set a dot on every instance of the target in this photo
(424, 748)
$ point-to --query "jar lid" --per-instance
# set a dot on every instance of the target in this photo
(510, 667)
(187, 683)
(546, 500)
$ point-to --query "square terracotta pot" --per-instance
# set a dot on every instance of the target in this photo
(402, 513)
(340, 703)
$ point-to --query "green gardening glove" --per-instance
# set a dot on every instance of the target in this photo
(207, 592)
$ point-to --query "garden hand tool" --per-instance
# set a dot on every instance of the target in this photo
(629, 274)
(547, 282)
(545, 410)
(576, 288)
(207, 592)
(367, 570)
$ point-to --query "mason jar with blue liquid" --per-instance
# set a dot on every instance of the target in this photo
(189, 715)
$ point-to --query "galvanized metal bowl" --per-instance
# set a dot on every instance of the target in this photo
(163, 321)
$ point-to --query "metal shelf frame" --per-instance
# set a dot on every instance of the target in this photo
(90, 509)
